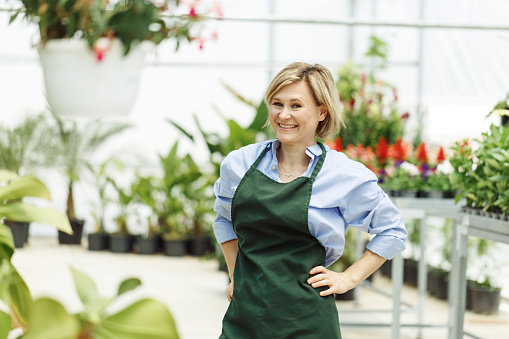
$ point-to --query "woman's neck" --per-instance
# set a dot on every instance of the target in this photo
(292, 155)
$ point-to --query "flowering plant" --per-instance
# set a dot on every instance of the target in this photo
(131, 21)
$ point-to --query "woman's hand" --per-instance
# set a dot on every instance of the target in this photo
(337, 282)
(229, 291)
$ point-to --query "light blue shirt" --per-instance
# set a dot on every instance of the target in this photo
(345, 194)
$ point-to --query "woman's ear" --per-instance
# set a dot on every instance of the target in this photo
(323, 112)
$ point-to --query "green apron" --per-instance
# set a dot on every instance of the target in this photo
(271, 297)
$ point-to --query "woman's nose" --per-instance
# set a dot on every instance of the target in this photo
(285, 114)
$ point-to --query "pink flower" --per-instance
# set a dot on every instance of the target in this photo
(99, 54)
(218, 8)
(192, 13)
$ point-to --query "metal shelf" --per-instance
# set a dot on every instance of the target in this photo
(465, 226)
(414, 208)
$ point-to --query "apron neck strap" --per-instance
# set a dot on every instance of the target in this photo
(255, 164)
(317, 168)
(319, 164)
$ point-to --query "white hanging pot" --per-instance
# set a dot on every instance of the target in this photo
(83, 82)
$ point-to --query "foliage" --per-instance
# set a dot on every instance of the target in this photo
(238, 136)
(124, 201)
(24, 146)
(75, 145)
(483, 175)
(13, 290)
(370, 105)
(102, 181)
(131, 21)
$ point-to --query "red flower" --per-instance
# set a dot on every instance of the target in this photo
(422, 154)
(440, 156)
(399, 151)
(339, 144)
(382, 150)
(405, 116)
(395, 93)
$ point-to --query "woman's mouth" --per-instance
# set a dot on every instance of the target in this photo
(282, 126)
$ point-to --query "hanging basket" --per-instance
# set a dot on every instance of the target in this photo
(81, 82)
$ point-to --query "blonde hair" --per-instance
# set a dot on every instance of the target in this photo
(324, 91)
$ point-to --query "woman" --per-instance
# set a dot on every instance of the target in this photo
(282, 209)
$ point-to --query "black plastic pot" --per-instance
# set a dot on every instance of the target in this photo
(485, 300)
(98, 241)
(199, 245)
(347, 296)
(19, 232)
(144, 245)
(410, 272)
(75, 238)
(422, 194)
(175, 247)
(448, 194)
(121, 243)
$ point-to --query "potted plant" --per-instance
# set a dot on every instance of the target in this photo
(99, 239)
(82, 41)
(485, 293)
(481, 175)
(22, 148)
(121, 241)
(143, 193)
(75, 145)
(170, 205)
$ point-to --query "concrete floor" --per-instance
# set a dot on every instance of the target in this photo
(195, 292)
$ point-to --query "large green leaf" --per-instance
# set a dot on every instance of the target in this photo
(181, 129)
(5, 325)
(87, 291)
(24, 187)
(6, 242)
(147, 319)
(128, 285)
(28, 213)
(21, 301)
(50, 320)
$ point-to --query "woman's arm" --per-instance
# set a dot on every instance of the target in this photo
(351, 277)
(230, 249)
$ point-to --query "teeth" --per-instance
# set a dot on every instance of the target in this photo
(287, 126)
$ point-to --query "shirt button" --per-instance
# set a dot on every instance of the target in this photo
(273, 167)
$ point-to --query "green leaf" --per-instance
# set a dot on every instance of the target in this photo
(50, 320)
(28, 213)
(6, 242)
(21, 301)
(13, 17)
(181, 129)
(499, 178)
(472, 196)
(147, 319)
(24, 187)
(5, 325)
(87, 291)
(260, 118)
(128, 285)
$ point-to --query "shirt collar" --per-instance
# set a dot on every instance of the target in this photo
(311, 151)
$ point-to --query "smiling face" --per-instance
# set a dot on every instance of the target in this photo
(294, 115)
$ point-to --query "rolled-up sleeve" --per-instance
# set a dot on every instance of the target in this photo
(224, 188)
(369, 209)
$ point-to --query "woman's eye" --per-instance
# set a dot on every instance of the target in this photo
(296, 106)
(278, 104)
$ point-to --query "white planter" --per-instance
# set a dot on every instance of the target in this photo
(78, 84)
